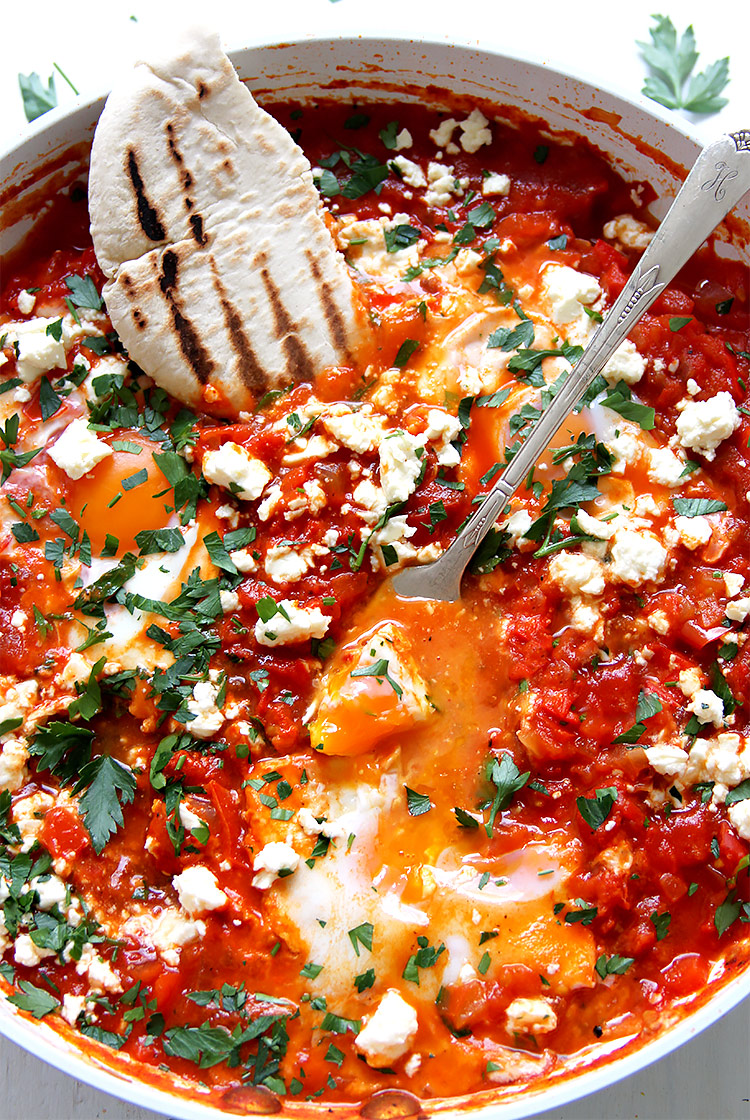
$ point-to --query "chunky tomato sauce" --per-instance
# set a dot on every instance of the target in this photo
(522, 861)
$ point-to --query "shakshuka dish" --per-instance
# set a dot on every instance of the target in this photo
(265, 826)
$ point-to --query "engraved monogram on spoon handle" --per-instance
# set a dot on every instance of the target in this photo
(716, 183)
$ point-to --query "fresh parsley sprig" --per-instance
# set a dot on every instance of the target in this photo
(672, 82)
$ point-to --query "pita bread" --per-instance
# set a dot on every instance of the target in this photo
(223, 280)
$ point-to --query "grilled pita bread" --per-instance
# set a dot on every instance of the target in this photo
(223, 280)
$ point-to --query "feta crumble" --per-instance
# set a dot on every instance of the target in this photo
(270, 861)
(411, 173)
(703, 425)
(495, 184)
(209, 719)
(474, 131)
(637, 557)
(302, 623)
(400, 465)
(78, 450)
(233, 465)
(389, 1032)
(707, 707)
(198, 890)
(530, 1016)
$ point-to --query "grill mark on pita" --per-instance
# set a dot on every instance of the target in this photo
(196, 225)
(250, 369)
(203, 90)
(298, 361)
(139, 319)
(196, 220)
(148, 218)
(330, 310)
(190, 343)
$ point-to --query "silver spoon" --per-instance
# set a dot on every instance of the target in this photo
(716, 183)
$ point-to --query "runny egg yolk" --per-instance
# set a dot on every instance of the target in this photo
(372, 689)
(104, 506)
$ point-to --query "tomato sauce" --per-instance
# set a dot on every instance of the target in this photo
(651, 916)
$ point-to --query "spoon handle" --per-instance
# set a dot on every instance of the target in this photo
(717, 181)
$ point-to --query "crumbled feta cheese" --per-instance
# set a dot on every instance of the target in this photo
(724, 760)
(208, 718)
(664, 467)
(229, 514)
(270, 503)
(496, 184)
(739, 815)
(637, 557)
(411, 173)
(99, 972)
(626, 364)
(358, 430)
(72, 1006)
(693, 387)
(312, 500)
(38, 352)
(568, 291)
(667, 758)
(13, 773)
(518, 524)
(707, 707)
(299, 624)
(307, 450)
(693, 531)
(270, 861)
(739, 609)
(474, 131)
(51, 891)
(441, 135)
(659, 622)
(198, 890)
(234, 465)
(403, 140)
(312, 827)
(400, 465)
(443, 185)
(168, 932)
(389, 1032)
(576, 574)
(284, 564)
(78, 450)
(593, 527)
(690, 680)
(243, 560)
(19, 619)
(27, 953)
(626, 448)
(628, 231)
(26, 301)
(703, 425)
(733, 583)
(17, 702)
(230, 601)
(188, 819)
(442, 429)
(530, 1016)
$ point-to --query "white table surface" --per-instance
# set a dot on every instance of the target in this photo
(709, 1078)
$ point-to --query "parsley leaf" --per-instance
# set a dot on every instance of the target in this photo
(671, 60)
(613, 966)
(596, 809)
(83, 292)
(620, 400)
(507, 780)
(104, 778)
(36, 99)
(727, 913)
(30, 998)
(417, 803)
(361, 935)
(697, 507)
(648, 705)
(405, 351)
(661, 923)
(401, 237)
